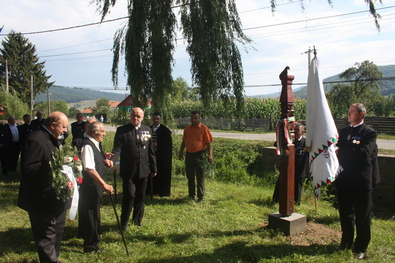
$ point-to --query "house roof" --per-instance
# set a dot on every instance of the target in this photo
(87, 110)
(127, 102)
(113, 104)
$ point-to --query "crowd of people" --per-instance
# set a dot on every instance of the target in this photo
(145, 161)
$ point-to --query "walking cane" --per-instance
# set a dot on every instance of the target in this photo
(119, 225)
(115, 184)
(151, 185)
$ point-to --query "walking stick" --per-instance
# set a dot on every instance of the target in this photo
(151, 185)
(115, 184)
(119, 225)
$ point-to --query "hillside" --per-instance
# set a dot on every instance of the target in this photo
(72, 95)
(387, 87)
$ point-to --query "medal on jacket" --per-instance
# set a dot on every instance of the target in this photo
(145, 135)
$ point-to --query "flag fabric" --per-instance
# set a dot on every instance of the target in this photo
(1, 29)
(321, 135)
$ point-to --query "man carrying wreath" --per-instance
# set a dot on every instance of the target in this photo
(37, 196)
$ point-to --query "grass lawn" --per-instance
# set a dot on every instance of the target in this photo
(229, 226)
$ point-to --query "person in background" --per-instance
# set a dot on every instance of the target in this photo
(133, 144)
(92, 187)
(36, 194)
(357, 154)
(26, 128)
(163, 147)
(78, 130)
(301, 157)
(12, 145)
(196, 140)
(3, 150)
(39, 120)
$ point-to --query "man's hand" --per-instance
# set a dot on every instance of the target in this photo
(154, 174)
(108, 163)
(108, 188)
(108, 155)
(181, 156)
(210, 159)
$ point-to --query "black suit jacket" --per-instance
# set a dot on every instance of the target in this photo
(36, 193)
(24, 130)
(136, 155)
(358, 157)
(164, 149)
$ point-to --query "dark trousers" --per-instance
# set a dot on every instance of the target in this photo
(48, 233)
(133, 198)
(89, 214)
(13, 156)
(193, 170)
(355, 209)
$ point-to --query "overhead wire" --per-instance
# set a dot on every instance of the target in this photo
(311, 28)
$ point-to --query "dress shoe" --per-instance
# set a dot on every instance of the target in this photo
(360, 255)
(200, 200)
(125, 228)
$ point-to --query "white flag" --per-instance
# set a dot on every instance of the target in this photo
(321, 135)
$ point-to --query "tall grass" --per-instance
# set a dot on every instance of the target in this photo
(229, 226)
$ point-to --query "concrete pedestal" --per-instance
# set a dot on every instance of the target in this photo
(289, 225)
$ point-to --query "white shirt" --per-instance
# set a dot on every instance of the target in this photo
(87, 155)
(155, 128)
(14, 132)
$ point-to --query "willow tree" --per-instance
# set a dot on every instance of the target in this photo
(212, 29)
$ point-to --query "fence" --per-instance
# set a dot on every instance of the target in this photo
(380, 124)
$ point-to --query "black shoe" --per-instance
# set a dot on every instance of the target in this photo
(125, 228)
(200, 200)
(360, 255)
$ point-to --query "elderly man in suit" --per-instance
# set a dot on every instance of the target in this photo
(37, 196)
(357, 154)
(133, 144)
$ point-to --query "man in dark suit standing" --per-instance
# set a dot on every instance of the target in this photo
(163, 147)
(357, 154)
(78, 130)
(132, 142)
(39, 121)
(26, 128)
(36, 194)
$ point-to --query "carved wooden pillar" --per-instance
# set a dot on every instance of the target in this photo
(287, 158)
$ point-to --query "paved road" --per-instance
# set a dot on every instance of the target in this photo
(382, 144)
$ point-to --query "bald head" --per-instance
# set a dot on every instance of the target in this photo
(57, 123)
(136, 116)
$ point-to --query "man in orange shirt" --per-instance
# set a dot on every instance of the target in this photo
(196, 139)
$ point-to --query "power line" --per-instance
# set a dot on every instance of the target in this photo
(324, 82)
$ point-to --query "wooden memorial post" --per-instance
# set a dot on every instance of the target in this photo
(287, 159)
(286, 220)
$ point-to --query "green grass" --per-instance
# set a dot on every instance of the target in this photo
(229, 226)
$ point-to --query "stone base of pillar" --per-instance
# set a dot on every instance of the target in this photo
(289, 225)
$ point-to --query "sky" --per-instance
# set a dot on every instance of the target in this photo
(342, 33)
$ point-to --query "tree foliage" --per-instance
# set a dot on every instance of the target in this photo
(364, 79)
(212, 29)
(14, 106)
(22, 62)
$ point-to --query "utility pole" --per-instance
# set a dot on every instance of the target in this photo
(6, 76)
(49, 101)
(31, 95)
(308, 52)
